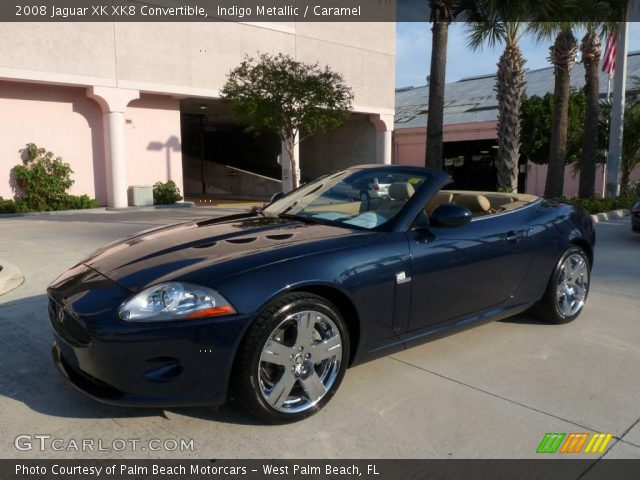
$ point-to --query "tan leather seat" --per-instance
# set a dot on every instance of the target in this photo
(477, 203)
(498, 201)
(401, 191)
(441, 198)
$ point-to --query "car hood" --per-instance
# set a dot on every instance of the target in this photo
(228, 244)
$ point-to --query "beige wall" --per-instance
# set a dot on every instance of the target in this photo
(193, 58)
(47, 69)
(66, 122)
(61, 119)
(153, 141)
(352, 144)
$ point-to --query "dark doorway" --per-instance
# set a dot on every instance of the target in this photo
(212, 140)
(472, 165)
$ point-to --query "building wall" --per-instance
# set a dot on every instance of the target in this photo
(409, 148)
(537, 176)
(162, 62)
(352, 144)
(194, 58)
(153, 141)
(410, 144)
(60, 119)
(66, 122)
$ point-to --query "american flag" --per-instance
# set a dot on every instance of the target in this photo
(609, 61)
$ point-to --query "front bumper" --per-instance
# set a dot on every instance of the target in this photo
(165, 364)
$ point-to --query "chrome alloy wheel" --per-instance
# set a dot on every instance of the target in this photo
(573, 284)
(300, 361)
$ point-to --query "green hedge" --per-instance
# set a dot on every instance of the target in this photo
(7, 206)
(599, 205)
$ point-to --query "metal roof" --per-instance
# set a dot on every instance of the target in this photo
(473, 99)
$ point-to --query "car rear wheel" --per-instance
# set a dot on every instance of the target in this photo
(567, 289)
(292, 360)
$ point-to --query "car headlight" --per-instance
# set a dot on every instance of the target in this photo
(174, 301)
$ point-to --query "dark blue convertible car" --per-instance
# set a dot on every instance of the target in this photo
(270, 307)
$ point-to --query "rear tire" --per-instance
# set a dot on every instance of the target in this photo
(292, 360)
(567, 290)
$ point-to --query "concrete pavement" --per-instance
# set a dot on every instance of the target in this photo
(490, 392)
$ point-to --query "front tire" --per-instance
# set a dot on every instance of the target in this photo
(568, 287)
(292, 359)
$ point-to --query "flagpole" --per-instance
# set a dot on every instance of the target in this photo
(604, 166)
(614, 172)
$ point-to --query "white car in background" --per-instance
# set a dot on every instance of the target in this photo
(365, 189)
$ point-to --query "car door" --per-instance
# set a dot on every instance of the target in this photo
(458, 271)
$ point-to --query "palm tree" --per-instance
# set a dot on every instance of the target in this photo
(563, 57)
(442, 13)
(590, 48)
(483, 28)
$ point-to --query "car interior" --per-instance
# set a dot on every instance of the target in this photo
(377, 211)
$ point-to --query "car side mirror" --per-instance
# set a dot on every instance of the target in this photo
(450, 215)
(276, 196)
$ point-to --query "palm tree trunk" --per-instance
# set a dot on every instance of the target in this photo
(563, 55)
(435, 118)
(510, 90)
(590, 57)
(624, 178)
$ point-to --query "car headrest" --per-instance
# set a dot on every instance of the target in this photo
(474, 202)
(440, 199)
(401, 191)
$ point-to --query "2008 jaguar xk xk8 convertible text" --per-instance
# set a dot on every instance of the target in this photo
(271, 306)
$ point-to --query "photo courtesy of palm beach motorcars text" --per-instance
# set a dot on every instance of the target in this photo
(196, 470)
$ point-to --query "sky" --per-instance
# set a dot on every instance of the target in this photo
(414, 53)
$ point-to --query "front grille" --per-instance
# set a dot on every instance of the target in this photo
(68, 327)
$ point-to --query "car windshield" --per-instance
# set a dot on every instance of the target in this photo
(366, 198)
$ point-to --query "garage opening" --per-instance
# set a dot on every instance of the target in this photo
(221, 159)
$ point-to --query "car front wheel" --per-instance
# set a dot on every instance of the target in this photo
(292, 360)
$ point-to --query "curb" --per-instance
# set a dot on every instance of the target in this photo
(97, 210)
(10, 277)
(151, 207)
(611, 215)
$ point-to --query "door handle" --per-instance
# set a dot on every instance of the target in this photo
(511, 236)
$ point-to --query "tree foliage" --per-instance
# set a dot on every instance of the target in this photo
(537, 123)
(292, 99)
(630, 142)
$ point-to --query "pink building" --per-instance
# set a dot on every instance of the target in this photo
(470, 130)
(135, 103)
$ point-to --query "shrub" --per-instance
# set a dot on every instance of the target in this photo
(598, 205)
(7, 206)
(166, 193)
(75, 202)
(43, 179)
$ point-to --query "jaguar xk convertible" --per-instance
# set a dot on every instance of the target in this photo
(271, 306)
